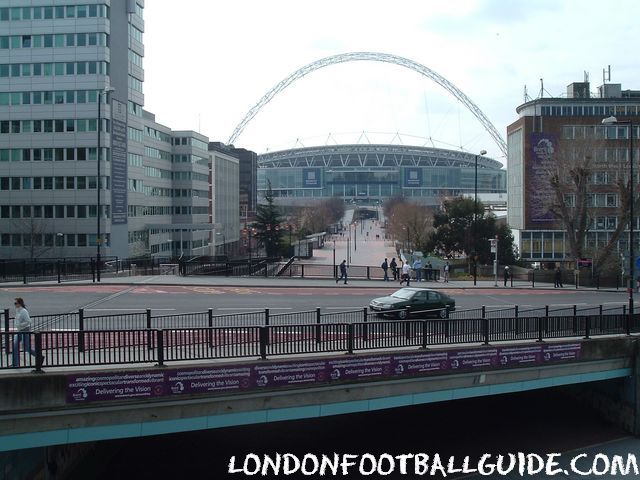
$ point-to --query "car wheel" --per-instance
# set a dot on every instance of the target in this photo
(443, 313)
(403, 314)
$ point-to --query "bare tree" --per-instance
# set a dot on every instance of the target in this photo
(410, 221)
(577, 173)
(37, 236)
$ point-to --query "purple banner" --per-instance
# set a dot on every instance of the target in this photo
(116, 386)
(249, 376)
(539, 190)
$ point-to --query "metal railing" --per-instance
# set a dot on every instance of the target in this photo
(78, 348)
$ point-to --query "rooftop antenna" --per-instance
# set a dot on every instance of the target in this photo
(527, 98)
(586, 76)
(606, 74)
(541, 88)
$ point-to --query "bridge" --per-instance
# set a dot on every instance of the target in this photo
(195, 371)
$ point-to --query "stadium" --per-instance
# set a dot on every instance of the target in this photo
(370, 173)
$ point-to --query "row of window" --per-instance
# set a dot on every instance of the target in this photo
(550, 245)
(134, 134)
(190, 159)
(609, 200)
(198, 177)
(157, 134)
(138, 236)
(590, 110)
(135, 160)
(190, 141)
(135, 84)
(53, 211)
(53, 183)
(153, 172)
(144, 211)
(609, 132)
(49, 69)
(134, 109)
(28, 240)
(47, 13)
(152, 152)
(50, 97)
(58, 40)
(52, 154)
(138, 186)
(135, 33)
(57, 125)
(135, 58)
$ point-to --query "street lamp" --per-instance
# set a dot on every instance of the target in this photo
(614, 121)
(60, 242)
(475, 219)
(101, 94)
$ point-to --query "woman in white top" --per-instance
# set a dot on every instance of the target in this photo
(22, 323)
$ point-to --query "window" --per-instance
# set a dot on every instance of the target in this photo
(71, 211)
(59, 211)
(82, 211)
(48, 183)
(71, 183)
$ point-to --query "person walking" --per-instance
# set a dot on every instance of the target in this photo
(343, 272)
(446, 272)
(417, 266)
(506, 274)
(558, 278)
(394, 269)
(406, 274)
(385, 269)
(22, 323)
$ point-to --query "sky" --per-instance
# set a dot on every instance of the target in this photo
(207, 62)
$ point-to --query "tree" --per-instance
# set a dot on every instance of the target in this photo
(578, 170)
(409, 222)
(506, 251)
(456, 231)
(37, 238)
(319, 217)
(267, 224)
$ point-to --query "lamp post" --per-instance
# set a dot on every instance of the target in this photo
(101, 94)
(475, 219)
(614, 121)
(60, 243)
(335, 273)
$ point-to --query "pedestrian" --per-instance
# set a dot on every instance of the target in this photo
(558, 277)
(406, 274)
(343, 272)
(385, 268)
(417, 266)
(446, 272)
(506, 274)
(394, 269)
(22, 323)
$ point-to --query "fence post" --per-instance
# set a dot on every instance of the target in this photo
(318, 326)
(600, 318)
(627, 319)
(517, 317)
(368, 273)
(302, 265)
(484, 311)
(7, 348)
(485, 328)
(546, 311)
(575, 319)
(160, 346)
(210, 323)
(81, 330)
(587, 326)
(350, 338)
(266, 317)
(39, 357)
(264, 340)
(58, 270)
(365, 327)
(149, 342)
(24, 272)
(540, 332)
(425, 334)
(511, 279)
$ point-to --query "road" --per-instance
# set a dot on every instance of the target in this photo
(104, 299)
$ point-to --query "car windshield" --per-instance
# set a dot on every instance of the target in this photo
(403, 293)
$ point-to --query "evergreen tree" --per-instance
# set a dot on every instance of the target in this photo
(267, 224)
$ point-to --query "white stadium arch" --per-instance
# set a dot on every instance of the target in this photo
(373, 57)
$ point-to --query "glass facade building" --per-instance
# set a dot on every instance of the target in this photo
(370, 173)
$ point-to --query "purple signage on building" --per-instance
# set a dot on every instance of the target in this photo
(539, 191)
(477, 358)
(356, 368)
(213, 379)
(289, 373)
(116, 386)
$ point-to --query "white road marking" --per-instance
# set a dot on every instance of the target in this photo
(133, 310)
(241, 309)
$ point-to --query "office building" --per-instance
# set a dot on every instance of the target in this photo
(71, 99)
(553, 130)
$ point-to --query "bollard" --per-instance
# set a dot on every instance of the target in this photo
(368, 273)
(302, 265)
(81, 330)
